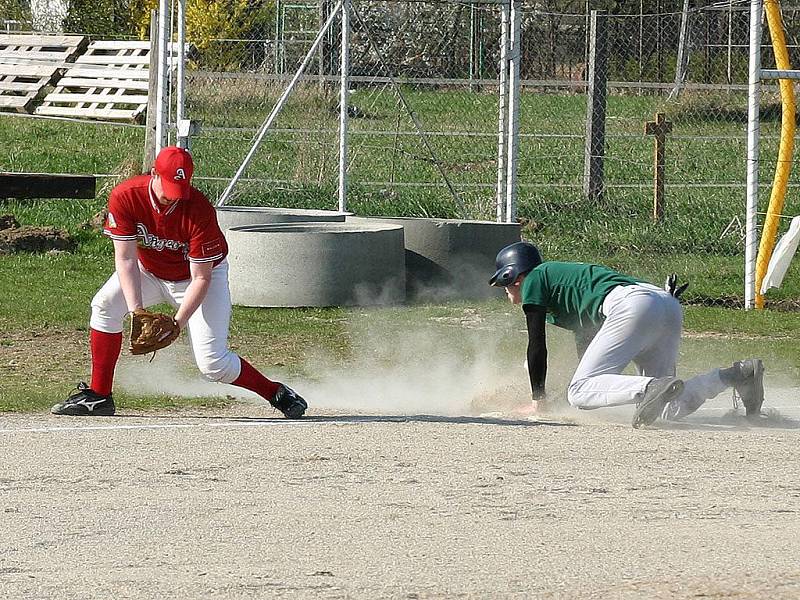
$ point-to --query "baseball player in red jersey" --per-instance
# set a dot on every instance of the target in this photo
(168, 247)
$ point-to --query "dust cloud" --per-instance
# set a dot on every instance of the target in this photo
(459, 364)
(443, 366)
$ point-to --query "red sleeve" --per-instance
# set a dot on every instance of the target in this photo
(207, 243)
(119, 224)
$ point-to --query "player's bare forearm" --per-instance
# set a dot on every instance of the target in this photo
(195, 293)
(126, 263)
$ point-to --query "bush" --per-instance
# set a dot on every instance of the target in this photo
(102, 18)
(208, 20)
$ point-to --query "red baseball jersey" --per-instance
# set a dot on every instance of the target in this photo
(168, 238)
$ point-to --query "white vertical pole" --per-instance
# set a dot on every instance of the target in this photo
(502, 141)
(162, 96)
(344, 91)
(754, 90)
(180, 110)
(513, 112)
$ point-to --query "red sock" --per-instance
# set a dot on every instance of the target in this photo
(105, 349)
(252, 380)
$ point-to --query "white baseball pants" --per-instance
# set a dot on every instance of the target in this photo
(643, 326)
(207, 327)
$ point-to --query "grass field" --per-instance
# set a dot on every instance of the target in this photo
(44, 298)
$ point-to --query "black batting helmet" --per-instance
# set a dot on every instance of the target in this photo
(514, 260)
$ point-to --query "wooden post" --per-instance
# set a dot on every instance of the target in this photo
(47, 185)
(596, 109)
(659, 128)
(150, 123)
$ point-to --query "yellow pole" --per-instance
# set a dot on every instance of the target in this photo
(785, 149)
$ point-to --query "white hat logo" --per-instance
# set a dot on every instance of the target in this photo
(179, 174)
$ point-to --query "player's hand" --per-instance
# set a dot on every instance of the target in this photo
(671, 286)
(534, 408)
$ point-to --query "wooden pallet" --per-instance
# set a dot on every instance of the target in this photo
(109, 81)
(28, 63)
(32, 49)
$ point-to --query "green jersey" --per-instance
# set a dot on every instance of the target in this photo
(572, 293)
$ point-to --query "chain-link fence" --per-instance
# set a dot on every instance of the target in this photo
(423, 126)
(423, 111)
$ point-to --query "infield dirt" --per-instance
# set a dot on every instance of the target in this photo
(248, 505)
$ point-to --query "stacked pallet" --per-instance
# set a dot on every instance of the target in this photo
(109, 82)
(29, 63)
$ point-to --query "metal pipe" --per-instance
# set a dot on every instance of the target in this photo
(180, 110)
(279, 106)
(344, 91)
(502, 141)
(513, 112)
(754, 91)
(164, 28)
(780, 74)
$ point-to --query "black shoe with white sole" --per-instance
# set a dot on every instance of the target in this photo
(85, 402)
(289, 402)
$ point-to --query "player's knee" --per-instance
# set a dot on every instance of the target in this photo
(219, 367)
(105, 315)
(576, 396)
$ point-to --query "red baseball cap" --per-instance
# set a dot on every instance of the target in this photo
(175, 167)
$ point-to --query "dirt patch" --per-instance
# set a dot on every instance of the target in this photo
(47, 355)
(15, 238)
(8, 222)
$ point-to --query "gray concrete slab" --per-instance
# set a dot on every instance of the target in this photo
(450, 259)
(236, 216)
(317, 264)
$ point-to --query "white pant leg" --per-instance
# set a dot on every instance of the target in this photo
(109, 307)
(209, 325)
(697, 390)
(643, 324)
(661, 359)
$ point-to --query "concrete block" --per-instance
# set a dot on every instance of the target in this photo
(236, 216)
(317, 264)
(450, 259)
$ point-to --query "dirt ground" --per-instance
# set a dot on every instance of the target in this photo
(243, 504)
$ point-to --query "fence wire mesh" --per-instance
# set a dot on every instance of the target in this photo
(423, 126)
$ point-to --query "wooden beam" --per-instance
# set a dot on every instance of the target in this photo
(659, 128)
(45, 185)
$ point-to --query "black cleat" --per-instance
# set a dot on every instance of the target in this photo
(289, 402)
(748, 381)
(658, 394)
(85, 402)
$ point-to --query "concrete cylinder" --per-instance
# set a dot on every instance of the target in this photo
(317, 264)
(236, 216)
(450, 259)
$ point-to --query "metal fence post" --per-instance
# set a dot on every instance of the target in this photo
(344, 91)
(514, 56)
(502, 142)
(162, 92)
(150, 120)
(754, 90)
(596, 108)
(180, 90)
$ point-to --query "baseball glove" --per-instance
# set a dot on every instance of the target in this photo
(152, 331)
